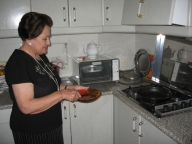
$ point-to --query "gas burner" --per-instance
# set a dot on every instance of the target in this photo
(173, 108)
(175, 99)
(172, 102)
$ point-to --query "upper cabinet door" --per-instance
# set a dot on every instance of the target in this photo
(113, 10)
(11, 12)
(85, 12)
(57, 10)
(155, 12)
(71, 13)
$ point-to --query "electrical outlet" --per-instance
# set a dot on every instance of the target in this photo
(124, 62)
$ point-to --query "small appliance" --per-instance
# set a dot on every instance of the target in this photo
(103, 68)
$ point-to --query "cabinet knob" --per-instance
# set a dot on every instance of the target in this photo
(65, 112)
(107, 13)
(75, 110)
(64, 14)
(139, 9)
(74, 14)
(140, 124)
(134, 124)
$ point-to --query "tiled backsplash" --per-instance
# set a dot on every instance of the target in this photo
(65, 47)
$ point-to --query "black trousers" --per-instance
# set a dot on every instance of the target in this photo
(51, 137)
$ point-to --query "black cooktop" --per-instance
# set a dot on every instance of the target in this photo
(161, 103)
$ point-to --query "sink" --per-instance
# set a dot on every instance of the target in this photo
(68, 81)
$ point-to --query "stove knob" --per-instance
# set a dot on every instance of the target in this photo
(183, 104)
(174, 106)
(165, 108)
(190, 103)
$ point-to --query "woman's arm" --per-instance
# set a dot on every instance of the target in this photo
(24, 95)
(72, 87)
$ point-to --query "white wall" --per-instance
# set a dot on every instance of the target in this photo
(121, 46)
(147, 42)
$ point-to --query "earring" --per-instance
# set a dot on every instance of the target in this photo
(30, 44)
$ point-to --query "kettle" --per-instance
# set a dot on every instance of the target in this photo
(92, 50)
(182, 55)
(167, 53)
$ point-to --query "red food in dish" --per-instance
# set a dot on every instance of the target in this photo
(84, 92)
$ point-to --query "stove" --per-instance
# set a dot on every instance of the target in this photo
(163, 102)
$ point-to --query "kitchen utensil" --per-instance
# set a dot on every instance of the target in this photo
(182, 55)
(92, 50)
(142, 67)
(142, 62)
(156, 94)
(129, 77)
(89, 95)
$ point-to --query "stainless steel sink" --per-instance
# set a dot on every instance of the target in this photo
(68, 81)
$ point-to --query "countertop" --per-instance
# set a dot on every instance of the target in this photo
(178, 126)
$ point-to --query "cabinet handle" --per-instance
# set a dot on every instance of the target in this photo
(134, 124)
(107, 13)
(139, 9)
(140, 124)
(74, 14)
(75, 110)
(64, 14)
(65, 112)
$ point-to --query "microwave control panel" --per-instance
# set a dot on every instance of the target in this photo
(115, 70)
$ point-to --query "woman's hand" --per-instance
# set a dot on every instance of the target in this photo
(71, 92)
(71, 95)
(77, 87)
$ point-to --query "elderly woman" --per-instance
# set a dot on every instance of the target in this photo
(35, 87)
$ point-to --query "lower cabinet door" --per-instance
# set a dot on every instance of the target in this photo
(66, 122)
(131, 128)
(152, 135)
(126, 124)
(6, 135)
(92, 123)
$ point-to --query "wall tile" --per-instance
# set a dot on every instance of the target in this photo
(122, 46)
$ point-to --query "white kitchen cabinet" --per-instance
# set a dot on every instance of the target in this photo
(123, 124)
(156, 12)
(127, 124)
(149, 134)
(88, 123)
(58, 11)
(6, 136)
(113, 10)
(11, 12)
(73, 13)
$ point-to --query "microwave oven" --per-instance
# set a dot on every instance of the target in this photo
(176, 72)
(103, 68)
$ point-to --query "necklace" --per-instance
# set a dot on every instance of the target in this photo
(50, 73)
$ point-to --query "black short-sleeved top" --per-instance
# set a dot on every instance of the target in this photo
(22, 68)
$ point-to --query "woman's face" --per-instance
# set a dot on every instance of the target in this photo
(40, 44)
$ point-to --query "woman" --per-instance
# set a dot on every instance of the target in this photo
(35, 87)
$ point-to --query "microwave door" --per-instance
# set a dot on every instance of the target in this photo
(92, 68)
(95, 72)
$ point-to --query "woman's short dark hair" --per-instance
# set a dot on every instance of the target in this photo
(32, 25)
